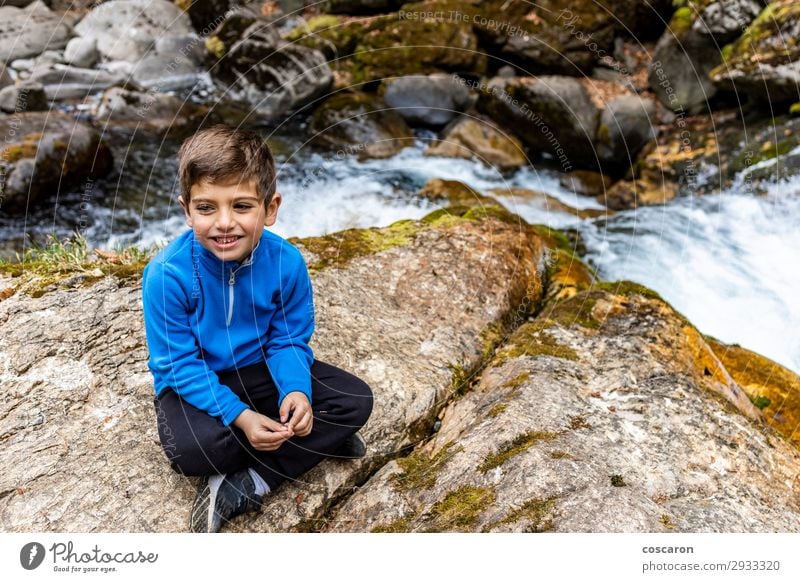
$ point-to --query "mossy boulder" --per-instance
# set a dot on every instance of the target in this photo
(405, 306)
(357, 123)
(765, 61)
(44, 152)
(774, 389)
(606, 413)
(477, 137)
(552, 115)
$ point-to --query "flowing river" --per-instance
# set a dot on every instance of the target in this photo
(730, 262)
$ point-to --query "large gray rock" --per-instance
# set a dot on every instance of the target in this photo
(765, 61)
(26, 32)
(126, 29)
(88, 458)
(626, 125)
(429, 100)
(609, 413)
(551, 114)
(359, 123)
(163, 72)
(725, 20)
(273, 76)
(149, 113)
(25, 96)
(81, 52)
(44, 152)
(65, 82)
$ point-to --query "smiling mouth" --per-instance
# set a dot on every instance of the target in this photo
(225, 241)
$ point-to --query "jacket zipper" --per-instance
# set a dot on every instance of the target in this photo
(231, 282)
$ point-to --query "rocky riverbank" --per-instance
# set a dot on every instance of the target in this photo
(513, 393)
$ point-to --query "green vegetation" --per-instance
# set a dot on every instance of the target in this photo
(459, 510)
(519, 445)
(760, 402)
(618, 481)
(397, 526)
(535, 511)
(531, 339)
(70, 263)
(420, 470)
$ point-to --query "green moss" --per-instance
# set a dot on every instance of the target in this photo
(629, 289)
(666, 521)
(532, 339)
(515, 383)
(519, 445)
(618, 481)
(401, 525)
(459, 510)
(497, 410)
(760, 402)
(535, 511)
(681, 21)
(578, 422)
(794, 109)
(216, 47)
(420, 470)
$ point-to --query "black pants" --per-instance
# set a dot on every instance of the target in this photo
(198, 444)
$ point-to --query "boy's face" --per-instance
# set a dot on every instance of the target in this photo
(228, 219)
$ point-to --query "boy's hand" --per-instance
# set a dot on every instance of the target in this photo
(263, 433)
(302, 418)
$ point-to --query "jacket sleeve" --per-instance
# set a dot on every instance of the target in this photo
(174, 353)
(289, 356)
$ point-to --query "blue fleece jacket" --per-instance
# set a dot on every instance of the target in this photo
(203, 315)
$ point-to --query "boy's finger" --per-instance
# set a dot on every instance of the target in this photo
(303, 423)
(299, 416)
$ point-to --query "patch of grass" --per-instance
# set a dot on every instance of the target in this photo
(578, 422)
(535, 511)
(519, 445)
(47, 267)
(459, 510)
(531, 339)
(397, 526)
(420, 470)
(497, 410)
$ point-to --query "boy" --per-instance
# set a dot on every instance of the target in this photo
(228, 313)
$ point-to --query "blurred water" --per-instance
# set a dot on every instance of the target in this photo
(729, 262)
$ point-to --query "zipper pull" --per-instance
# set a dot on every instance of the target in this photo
(232, 279)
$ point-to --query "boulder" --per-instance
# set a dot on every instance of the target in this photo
(274, 76)
(24, 96)
(427, 100)
(92, 460)
(164, 72)
(150, 113)
(765, 61)
(475, 137)
(126, 30)
(626, 124)
(65, 82)
(689, 50)
(359, 123)
(44, 152)
(205, 15)
(552, 115)
(607, 413)
(27, 32)
(81, 52)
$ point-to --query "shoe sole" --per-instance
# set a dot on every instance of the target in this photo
(203, 518)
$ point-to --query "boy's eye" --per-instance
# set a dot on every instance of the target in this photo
(243, 206)
(203, 207)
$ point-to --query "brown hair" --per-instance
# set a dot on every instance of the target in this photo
(222, 154)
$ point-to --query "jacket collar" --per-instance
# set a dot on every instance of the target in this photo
(214, 263)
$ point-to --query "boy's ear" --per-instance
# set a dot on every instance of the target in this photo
(186, 213)
(272, 209)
